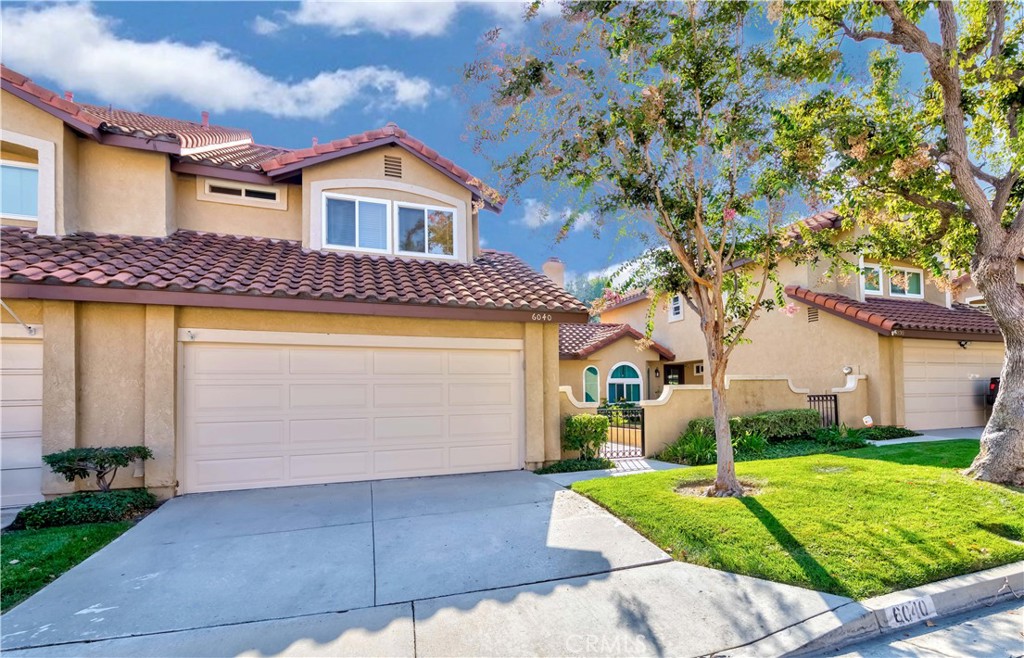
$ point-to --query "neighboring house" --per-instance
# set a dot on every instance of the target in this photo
(259, 316)
(608, 363)
(925, 354)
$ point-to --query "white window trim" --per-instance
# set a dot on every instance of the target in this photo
(863, 279)
(18, 164)
(317, 237)
(46, 205)
(203, 193)
(598, 371)
(618, 380)
(696, 371)
(426, 236)
(907, 295)
(672, 315)
(357, 249)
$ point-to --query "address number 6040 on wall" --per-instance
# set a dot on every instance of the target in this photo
(541, 317)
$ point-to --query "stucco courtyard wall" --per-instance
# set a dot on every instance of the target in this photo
(110, 373)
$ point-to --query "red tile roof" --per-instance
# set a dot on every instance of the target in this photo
(189, 134)
(188, 261)
(578, 341)
(897, 317)
(246, 157)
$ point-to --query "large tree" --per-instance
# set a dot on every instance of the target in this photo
(931, 161)
(656, 112)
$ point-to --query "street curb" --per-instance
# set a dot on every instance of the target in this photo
(862, 620)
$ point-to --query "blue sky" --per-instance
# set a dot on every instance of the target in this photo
(255, 65)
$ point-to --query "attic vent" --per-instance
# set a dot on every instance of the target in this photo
(812, 314)
(392, 166)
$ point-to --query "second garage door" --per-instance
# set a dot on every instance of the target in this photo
(944, 384)
(263, 415)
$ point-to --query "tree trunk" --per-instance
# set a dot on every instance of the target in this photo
(726, 482)
(1001, 458)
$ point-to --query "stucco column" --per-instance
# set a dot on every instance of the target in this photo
(533, 348)
(60, 387)
(552, 421)
(161, 346)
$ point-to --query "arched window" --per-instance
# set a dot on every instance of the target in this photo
(591, 384)
(624, 384)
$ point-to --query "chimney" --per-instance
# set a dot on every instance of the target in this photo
(206, 119)
(69, 96)
(554, 269)
(315, 142)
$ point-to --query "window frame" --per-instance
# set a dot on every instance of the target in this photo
(639, 381)
(679, 368)
(907, 294)
(357, 199)
(32, 166)
(597, 376)
(204, 193)
(672, 315)
(863, 279)
(426, 233)
(698, 372)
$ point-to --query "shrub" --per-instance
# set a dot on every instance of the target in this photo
(692, 448)
(586, 433)
(750, 442)
(840, 435)
(888, 432)
(575, 465)
(772, 425)
(85, 507)
(103, 462)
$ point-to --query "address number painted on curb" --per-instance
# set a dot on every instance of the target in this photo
(910, 612)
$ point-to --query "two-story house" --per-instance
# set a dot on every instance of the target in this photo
(925, 352)
(259, 316)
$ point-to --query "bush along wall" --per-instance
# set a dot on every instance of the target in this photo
(772, 425)
(85, 507)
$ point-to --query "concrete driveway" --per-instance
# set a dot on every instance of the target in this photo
(496, 564)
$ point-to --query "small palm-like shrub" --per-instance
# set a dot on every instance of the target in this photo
(693, 448)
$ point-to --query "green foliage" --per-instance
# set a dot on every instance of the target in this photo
(86, 507)
(103, 462)
(749, 442)
(693, 448)
(840, 435)
(587, 290)
(772, 425)
(35, 558)
(585, 433)
(887, 433)
(576, 465)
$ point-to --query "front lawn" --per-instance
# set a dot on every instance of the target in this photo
(34, 558)
(858, 523)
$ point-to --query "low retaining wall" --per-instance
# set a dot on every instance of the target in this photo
(666, 417)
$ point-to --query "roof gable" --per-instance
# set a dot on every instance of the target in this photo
(578, 341)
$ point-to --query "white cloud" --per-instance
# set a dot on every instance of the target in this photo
(415, 18)
(537, 214)
(264, 26)
(79, 49)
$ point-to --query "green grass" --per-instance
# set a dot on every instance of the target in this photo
(858, 523)
(43, 555)
(789, 448)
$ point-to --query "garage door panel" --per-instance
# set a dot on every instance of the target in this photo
(407, 362)
(237, 434)
(23, 386)
(237, 360)
(495, 424)
(341, 465)
(408, 427)
(329, 362)
(21, 486)
(479, 456)
(406, 395)
(19, 418)
(480, 393)
(328, 396)
(311, 431)
(245, 471)
(945, 384)
(21, 451)
(480, 363)
(410, 460)
(215, 397)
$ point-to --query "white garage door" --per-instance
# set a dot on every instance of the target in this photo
(264, 415)
(21, 416)
(944, 384)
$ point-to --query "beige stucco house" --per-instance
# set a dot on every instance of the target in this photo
(259, 316)
(924, 353)
(610, 363)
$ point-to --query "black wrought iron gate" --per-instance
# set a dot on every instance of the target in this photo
(625, 433)
(827, 406)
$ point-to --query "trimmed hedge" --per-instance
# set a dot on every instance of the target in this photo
(586, 433)
(576, 465)
(85, 507)
(888, 432)
(772, 425)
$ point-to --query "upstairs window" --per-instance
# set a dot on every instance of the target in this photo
(675, 308)
(624, 384)
(871, 279)
(357, 223)
(19, 190)
(906, 282)
(242, 194)
(425, 230)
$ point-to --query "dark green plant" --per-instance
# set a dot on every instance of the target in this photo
(888, 432)
(750, 442)
(772, 425)
(576, 465)
(585, 433)
(691, 448)
(101, 462)
(85, 507)
(840, 435)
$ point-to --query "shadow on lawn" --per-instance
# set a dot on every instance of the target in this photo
(819, 577)
(944, 454)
